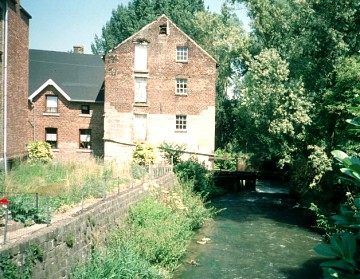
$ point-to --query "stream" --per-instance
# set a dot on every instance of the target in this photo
(260, 234)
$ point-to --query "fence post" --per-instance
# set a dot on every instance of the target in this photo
(37, 201)
(6, 222)
(48, 211)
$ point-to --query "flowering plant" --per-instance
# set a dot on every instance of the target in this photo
(4, 202)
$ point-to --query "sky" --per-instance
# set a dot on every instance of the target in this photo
(61, 24)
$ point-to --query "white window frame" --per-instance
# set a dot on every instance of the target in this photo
(182, 54)
(140, 57)
(181, 123)
(181, 86)
(140, 95)
(51, 103)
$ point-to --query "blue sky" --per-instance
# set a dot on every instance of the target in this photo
(60, 24)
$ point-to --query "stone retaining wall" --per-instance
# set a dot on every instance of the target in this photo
(69, 242)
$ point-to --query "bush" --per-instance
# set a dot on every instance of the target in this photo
(173, 151)
(40, 152)
(144, 154)
(192, 171)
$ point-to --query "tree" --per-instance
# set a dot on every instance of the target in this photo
(313, 37)
(275, 107)
(126, 20)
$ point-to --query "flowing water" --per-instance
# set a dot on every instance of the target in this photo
(261, 234)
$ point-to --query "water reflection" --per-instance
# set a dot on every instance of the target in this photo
(259, 235)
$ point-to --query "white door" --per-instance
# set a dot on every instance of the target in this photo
(140, 127)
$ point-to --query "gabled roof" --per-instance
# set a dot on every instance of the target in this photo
(78, 77)
(156, 21)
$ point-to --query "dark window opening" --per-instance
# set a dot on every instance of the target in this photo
(163, 29)
(85, 109)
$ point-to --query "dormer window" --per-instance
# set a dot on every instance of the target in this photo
(163, 30)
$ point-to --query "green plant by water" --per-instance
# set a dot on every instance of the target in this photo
(343, 246)
(154, 238)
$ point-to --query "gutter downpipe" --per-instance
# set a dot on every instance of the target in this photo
(5, 86)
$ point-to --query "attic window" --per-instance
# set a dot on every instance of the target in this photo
(85, 109)
(163, 30)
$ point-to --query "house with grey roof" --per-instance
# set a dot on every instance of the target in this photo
(66, 102)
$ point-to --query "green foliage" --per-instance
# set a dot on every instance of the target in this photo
(70, 240)
(196, 173)
(126, 20)
(275, 108)
(225, 160)
(173, 151)
(23, 209)
(144, 154)
(10, 270)
(154, 238)
(138, 171)
(344, 246)
(40, 152)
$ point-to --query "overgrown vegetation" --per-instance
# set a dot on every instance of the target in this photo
(194, 172)
(154, 238)
(10, 269)
(36, 190)
(172, 151)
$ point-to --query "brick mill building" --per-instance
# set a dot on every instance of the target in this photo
(14, 71)
(66, 96)
(159, 86)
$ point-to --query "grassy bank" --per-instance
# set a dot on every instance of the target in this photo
(153, 239)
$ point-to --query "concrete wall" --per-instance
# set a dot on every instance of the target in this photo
(86, 229)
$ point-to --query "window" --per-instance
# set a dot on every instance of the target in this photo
(163, 29)
(85, 138)
(140, 127)
(182, 54)
(51, 104)
(140, 57)
(140, 90)
(181, 86)
(181, 122)
(85, 109)
(51, 137)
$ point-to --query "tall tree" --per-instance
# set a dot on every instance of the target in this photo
(312, 36)
(126, 20)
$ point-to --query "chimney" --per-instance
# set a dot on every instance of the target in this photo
(79, 49)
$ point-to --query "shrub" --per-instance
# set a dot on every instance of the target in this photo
(144, 154)
(173, 151)
(40, 152)
(192, 171)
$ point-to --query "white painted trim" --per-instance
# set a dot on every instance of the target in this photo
(44, 85)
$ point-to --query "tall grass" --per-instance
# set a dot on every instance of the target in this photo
(155, 237)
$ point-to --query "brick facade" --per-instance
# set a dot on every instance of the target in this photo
(14, 23)
(68, 121)
(162, 104)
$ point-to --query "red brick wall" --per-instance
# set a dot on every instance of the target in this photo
(17, 87)
(68, 121)
(200, 71)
